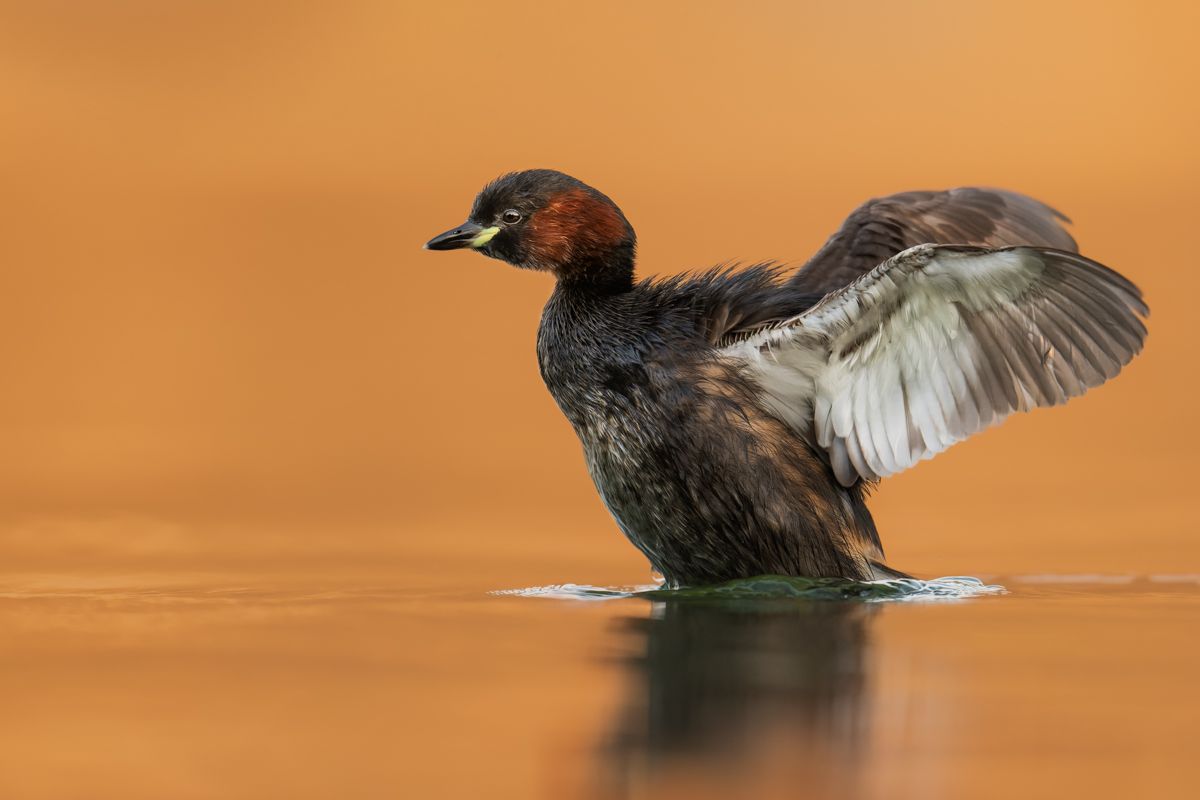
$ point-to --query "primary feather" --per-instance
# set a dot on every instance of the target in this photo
(938, 343)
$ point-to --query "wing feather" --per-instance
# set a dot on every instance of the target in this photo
(880, 228)
(938, 343)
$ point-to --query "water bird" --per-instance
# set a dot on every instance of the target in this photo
(733, 420)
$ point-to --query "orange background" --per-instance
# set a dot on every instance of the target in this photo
(224, 349)
(229, 368)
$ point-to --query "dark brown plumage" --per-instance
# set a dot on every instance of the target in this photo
(880, 228)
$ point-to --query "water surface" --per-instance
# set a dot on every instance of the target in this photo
(1059, 686)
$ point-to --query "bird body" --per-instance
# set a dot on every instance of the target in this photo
(734, 420)
(703, 481)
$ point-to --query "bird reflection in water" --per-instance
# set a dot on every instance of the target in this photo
(722, 688)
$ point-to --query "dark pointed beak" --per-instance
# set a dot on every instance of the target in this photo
(469, 234)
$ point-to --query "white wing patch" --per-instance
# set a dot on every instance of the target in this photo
(938, 343)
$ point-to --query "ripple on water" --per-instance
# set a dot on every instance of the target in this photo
(775, 587)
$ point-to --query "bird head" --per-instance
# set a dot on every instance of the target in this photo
(544, 220)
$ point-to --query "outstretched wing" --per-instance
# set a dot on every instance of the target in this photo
(881, 228)
(938, 343)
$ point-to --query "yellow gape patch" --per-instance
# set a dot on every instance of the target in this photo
(485, 236)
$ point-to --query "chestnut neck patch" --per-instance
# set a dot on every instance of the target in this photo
(576, 230)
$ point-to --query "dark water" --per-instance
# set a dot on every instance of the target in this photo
(1056, 686)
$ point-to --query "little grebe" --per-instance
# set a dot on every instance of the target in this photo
(734, 419)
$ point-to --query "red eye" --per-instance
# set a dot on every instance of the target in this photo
(510, 217)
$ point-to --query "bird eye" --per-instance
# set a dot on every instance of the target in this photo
(511, 216)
